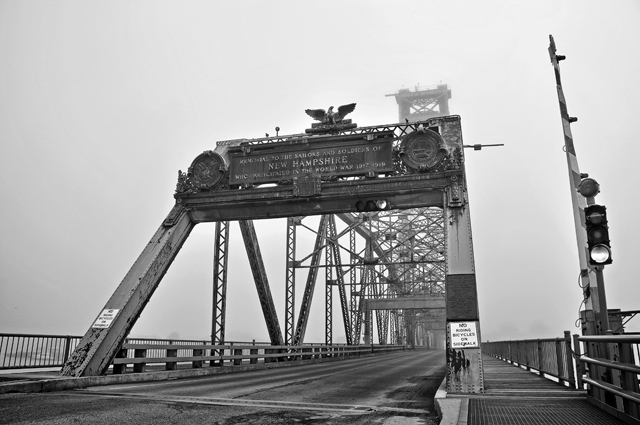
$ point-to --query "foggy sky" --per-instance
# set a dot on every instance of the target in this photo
(101, 103)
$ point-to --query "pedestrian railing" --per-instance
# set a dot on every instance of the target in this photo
(612, 371)
(236, 354)
(550, 356)
(18, 351)
(21, 351)
(609, 366)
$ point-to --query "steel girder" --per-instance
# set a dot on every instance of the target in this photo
(333, 255)
(290, 290)
(305, 306)
(262, 284)
(220, 262)
(353, 277)
(328, 314)
(99, 345)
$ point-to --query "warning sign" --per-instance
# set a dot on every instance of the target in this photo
(105, 319)
(463, 334)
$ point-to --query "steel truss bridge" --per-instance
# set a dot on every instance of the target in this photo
(393, 239)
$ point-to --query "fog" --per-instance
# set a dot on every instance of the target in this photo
(101, 103)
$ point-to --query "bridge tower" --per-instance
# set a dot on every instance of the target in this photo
(422, 102)
(462, 316)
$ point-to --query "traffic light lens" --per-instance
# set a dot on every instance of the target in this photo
(595, 217)
(381, 204)
(598, 234)
(589, 188)
(600, 254)
(371, 205)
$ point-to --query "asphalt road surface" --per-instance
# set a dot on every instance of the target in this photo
(386, 389)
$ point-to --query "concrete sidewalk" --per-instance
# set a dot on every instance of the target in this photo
(514, 395)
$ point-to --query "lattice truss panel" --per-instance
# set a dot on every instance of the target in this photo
(430, 105)
(387, 254)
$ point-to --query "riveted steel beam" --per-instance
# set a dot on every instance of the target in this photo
(262, 283)
(305, 306)
(220, 263)
(335, 253)
(328, 304)
(290, 294)
(98, 347)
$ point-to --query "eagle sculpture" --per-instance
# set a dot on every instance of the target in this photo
(331, 117)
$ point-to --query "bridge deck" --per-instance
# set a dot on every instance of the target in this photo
(516, 396)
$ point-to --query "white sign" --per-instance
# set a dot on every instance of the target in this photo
(105, 319)
(463, 334)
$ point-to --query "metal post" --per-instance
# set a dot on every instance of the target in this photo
(328, 322)
(602, 315)
(220, 262)
(561, 371)
(577, 353)
(334, 252)
(303, 316)
(290, 280)
(569, 359)
(262, 284)
(355, 338)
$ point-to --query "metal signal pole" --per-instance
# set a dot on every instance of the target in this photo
(591, 277)
(595, 318)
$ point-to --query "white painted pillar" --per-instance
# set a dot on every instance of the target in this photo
(464, 360)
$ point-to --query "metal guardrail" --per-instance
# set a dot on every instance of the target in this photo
(236, 354)
(612, 381)
(550, 356)
(21, 351)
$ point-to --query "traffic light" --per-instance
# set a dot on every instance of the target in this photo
(597, 235)
(371, 205)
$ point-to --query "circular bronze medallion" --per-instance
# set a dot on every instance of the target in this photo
(422, 150)
(207, 170)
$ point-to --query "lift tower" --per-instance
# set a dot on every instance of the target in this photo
(423, 102)
(417, 105)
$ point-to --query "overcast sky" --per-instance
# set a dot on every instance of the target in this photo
(101, 103)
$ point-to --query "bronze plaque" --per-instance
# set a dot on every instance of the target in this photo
(258, 164)
(206, 170)
(422, 150)
(462, 297)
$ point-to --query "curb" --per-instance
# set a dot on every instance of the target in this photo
(452, 411)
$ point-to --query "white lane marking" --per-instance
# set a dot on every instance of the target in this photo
(344, 408)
